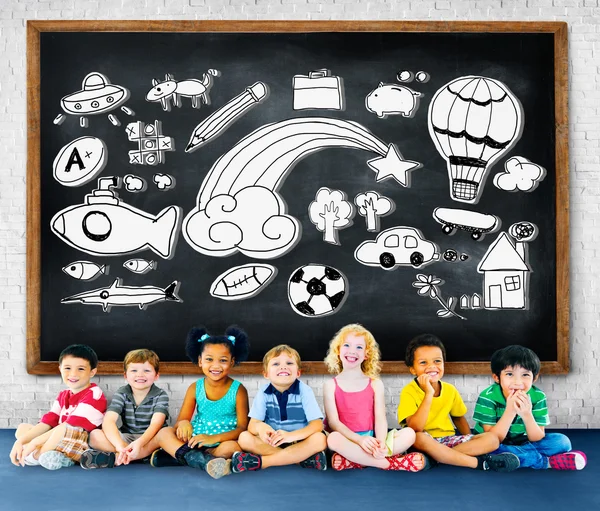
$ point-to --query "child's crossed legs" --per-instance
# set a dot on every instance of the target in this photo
(462, 455)
(278, 456)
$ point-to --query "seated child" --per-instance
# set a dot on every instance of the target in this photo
(61, 436)
(143, 409)
(516, 411)
(286, 424)
(214, 410)
(435, 411)
(355, 408)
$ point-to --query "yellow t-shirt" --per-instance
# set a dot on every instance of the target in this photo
(447, 404)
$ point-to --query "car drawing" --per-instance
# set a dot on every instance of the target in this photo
(397, 246)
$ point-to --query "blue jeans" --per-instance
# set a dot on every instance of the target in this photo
(535, 454)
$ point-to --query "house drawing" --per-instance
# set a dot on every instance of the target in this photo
(505, 275)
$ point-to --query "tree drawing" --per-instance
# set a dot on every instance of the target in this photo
(372, 206)
(330, 211)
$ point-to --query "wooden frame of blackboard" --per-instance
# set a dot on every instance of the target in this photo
(34, 29)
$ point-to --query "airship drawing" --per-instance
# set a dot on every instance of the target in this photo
(97, 95)
(106, 226)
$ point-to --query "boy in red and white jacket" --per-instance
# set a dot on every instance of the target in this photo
(61, 436)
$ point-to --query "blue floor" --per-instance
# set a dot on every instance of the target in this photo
(141, 487)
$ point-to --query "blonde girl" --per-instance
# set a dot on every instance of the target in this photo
(355, 408)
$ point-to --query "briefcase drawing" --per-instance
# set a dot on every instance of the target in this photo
(319, 90)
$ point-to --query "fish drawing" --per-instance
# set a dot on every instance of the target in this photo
(140, 266)
(126, 296)
(85, 270)
(106, 226)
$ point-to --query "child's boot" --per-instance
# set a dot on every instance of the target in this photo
(199, 458)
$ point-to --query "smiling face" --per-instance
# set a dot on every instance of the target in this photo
(352, 351)
(216, 361)
(141, 376)
(515, 378)
(76, 373)
(282, 371)
(428, 360)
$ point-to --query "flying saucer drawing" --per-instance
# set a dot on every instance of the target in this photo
(97, 96)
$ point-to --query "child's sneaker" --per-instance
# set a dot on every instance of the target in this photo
(53, 460)
(317, 461)
(503, 462)
(93, 458)
(161, 458)
(339, 462)
(573, 460)
(31, 461)
(245, 461)
(214, 467)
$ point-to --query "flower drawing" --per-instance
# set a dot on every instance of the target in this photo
(428, 285)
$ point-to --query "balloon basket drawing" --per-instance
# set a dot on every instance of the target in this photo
(463, 189)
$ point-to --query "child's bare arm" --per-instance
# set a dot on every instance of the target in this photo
(535, 432)
(333, 420)
(109, 427)
(16, 453)
(418, 420)
(462, 425)
(313, 427)
(183, 427)
(381, 424)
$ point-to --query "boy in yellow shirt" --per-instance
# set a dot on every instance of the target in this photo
(436, 411)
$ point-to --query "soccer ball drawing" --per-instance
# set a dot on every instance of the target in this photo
(317, 290)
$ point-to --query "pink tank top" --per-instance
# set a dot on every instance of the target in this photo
(356, 409)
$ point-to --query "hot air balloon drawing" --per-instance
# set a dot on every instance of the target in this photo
(473, 121)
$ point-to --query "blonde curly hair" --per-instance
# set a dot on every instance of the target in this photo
(371, 365)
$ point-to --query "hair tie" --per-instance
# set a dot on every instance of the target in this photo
(203, 338)
(232, 339)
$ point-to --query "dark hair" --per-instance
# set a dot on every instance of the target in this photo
(420, 341)
(234, 338)
(515, 355)
(80, 351)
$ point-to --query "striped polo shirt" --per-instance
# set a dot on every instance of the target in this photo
(136, 418)
(289, 410)
(492, 403)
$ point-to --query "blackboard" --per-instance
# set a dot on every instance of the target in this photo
(528, 59)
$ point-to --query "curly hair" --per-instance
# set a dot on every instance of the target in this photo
(234, 338)
(371, 365)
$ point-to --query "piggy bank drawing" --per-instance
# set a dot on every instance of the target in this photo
(392, 99)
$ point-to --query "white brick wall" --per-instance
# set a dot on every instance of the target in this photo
(574, 399)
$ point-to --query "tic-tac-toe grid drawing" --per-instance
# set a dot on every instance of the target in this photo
(151, 143)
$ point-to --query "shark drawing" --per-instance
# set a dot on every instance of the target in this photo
(119, 296)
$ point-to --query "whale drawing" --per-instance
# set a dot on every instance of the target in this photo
(107, 226)
(123, 296)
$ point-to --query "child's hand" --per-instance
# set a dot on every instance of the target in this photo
(381, 451)
(511, 402)
(265, 433)
(280, 437)
(16, 453)
(132, 451)
(200, 440)
(424, 382)
(369, 444)
(522, 403)
(27, 450)
(184, 431)
(122, 458)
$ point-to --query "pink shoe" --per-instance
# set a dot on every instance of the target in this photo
(573, 460)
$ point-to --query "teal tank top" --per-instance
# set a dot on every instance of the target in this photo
(213, 417)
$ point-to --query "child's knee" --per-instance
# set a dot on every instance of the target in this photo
(560, 443)
(319, 440)
(334, 440)
(97, 435)
(421, 440)
(22, 429)
(246, 440)
(406, 435)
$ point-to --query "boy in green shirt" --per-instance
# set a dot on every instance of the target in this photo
(516, 411)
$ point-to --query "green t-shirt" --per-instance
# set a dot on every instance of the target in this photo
(492, 403)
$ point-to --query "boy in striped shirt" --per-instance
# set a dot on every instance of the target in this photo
(143, 409)
(517, 412)
(61, 436)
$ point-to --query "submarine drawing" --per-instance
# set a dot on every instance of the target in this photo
(118, 296)
(106, 226)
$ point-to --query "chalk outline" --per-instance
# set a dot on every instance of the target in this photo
(391, 111)
(176, 91)
(371, 197)
(315, 90)
(100, 270)
(255, 289)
